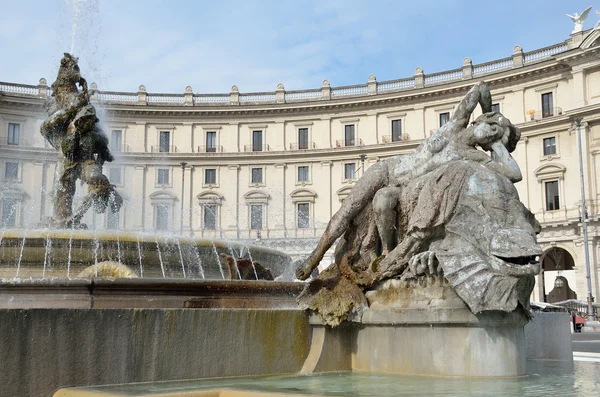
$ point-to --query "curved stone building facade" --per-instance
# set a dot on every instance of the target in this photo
(273, 167)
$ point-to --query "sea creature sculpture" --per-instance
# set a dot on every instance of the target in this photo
(72, 129)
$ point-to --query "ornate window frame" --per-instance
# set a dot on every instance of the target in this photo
(549, 173)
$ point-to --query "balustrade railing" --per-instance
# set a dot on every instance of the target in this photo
(257, 148)
(394, 85)
(258, 97)
(443, 77)
(109, 96)
(19, 88)
(353, 90)
(390, 138)
(302, 146)
(493, 67)
(164, 149)
(211, 98)
(209, 149)
(165, 98)
(348, 143)
(123, 148)
(543, 53)
(303, 95)
(544, 113)
(323, 93)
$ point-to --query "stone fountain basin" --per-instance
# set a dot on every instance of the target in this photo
(65, 253)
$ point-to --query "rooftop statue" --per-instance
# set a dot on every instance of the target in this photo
(579, 20)
(448, 208)
(82, 148)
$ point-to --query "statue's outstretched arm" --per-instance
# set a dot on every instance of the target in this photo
(478, 94)
(504, 163)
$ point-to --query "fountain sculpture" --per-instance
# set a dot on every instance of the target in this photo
(448, 209)
(82, 146)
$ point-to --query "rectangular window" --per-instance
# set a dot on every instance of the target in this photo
(14, 131)
(549, 146)
(116, 136)
(11, 172)
(112, 220)
(257, 141)
(496, 107)
(210, 217)
(349, 171)
(552, 196)
(303, 173)
(256, 216)
(9, 212)
(547, 105)
(114, 175)
(349, 137)
(396, 130)
(210, 176)
(444, 118)
(257, 176)
(303, 138)
(211, 141)
(165, 142)
(163, 176)
(303, 215)
(162, 216)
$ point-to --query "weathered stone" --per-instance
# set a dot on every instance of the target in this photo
(83, 148)
(446, 208)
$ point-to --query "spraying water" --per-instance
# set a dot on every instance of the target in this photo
(181, 258)
(218, 260)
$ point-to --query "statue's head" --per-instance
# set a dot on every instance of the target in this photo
(493, 126)
(69, 66)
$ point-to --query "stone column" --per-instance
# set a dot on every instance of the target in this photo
(236, 168)
(43, 88)
(234, 96)
(326, 176)
(39, 183)
(280, 177)
(188, 97)
(189, 196)
(280, 93)
(578, 85)
(327, 130)
(142, 95)
(139, 191)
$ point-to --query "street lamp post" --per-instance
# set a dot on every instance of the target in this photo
(183, 164)
(362, 163)
(584, 220)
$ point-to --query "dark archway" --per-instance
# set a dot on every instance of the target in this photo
(557, 259)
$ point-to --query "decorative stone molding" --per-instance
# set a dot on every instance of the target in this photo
(94, 91)
(303, 195)
(188, 97)
(234, 95)
(280, 93)
(142, 95)
(43, 88)
(419, 78)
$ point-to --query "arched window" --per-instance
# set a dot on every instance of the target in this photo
(210, 210)
(162, 204)
(557, 259)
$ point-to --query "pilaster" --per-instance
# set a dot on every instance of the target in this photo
(326, 176)
(139, 193)
(280, 177)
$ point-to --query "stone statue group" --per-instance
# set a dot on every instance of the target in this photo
(448, 208)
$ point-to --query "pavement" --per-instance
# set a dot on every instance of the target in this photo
(586, 346)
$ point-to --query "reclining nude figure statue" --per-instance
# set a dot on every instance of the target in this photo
(448, 208)
(382, 183)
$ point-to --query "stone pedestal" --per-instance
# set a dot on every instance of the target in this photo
(426, 329)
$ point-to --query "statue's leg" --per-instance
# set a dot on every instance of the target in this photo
(385, 204)
(63, 203)
(375, 178)
(397, 260)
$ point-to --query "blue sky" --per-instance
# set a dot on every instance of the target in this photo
(211, 45)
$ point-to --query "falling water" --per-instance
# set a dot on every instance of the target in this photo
(252, 261)
(96, 246)
(47, 251)
(21, 253)
(218, 260)
(139, 247)
(235, 262)
(69, 257)
(162, 265)
(181, 258)
(199, 259)
(118, 247)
